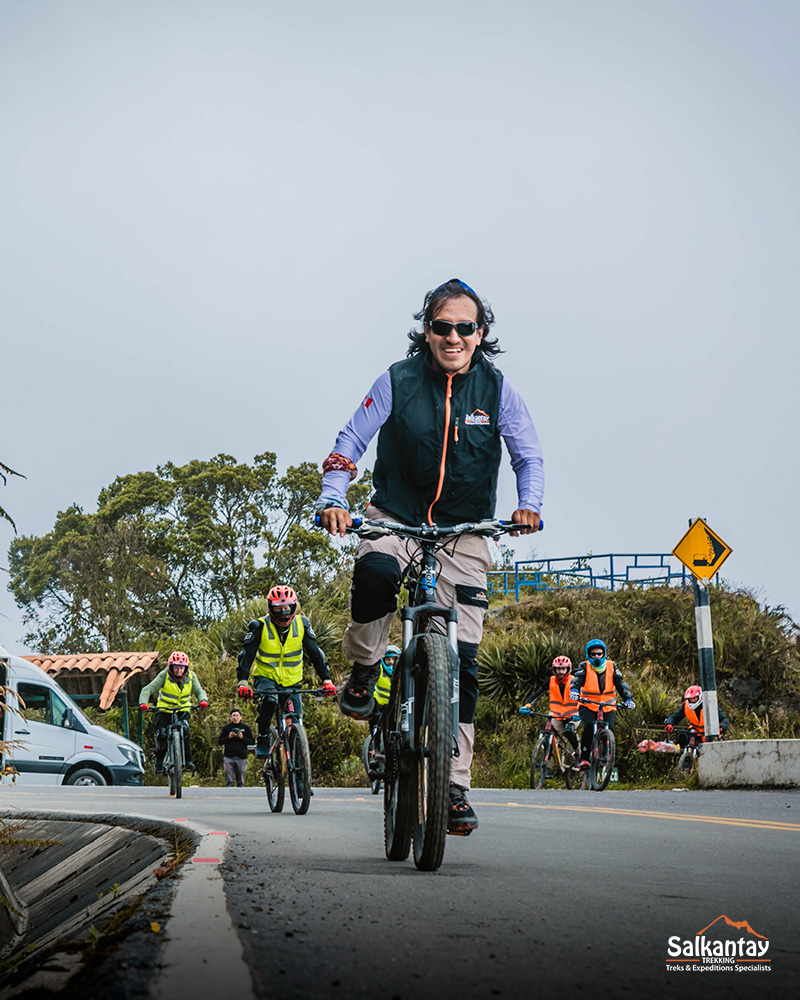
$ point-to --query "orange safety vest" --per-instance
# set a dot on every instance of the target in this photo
(591, 686)
(695, 719)
(561, 704)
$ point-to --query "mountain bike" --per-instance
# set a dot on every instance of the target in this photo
(552, 755)
(372, 754)
(174, 759)
(604, 746)
(687, 762)
(420, 720)
(288, 760)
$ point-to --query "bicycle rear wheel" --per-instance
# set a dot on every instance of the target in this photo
(272, 773)
(602, 761)
(433, 739)
(176, 775)
(398, 798)
(540, 761)
(568, 763)
(298, 762)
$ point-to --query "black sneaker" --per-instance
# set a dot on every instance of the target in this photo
(189, 766)
(461, 819)
(356, 698)
(262, 746)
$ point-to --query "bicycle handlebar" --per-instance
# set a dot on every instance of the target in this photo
(490, 527)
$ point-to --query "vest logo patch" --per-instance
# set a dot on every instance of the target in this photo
(477, 417)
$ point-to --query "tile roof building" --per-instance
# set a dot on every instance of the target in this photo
(101, 674)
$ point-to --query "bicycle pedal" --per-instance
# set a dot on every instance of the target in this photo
(459, 833)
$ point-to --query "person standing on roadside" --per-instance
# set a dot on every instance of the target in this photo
(441, 416)
(235, 737)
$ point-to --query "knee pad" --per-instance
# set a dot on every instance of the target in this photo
(468, 695)
(376, 584)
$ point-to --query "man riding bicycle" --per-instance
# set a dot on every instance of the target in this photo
(563, 707)
(441, 416)
(595, 682)
(277, 643)
(175, 686)
(692, 712)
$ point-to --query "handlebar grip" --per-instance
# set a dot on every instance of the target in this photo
(508, 523)
(356, 521)
(524, 710)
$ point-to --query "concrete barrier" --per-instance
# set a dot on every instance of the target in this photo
(749, 764)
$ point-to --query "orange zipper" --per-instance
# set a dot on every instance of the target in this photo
(444, 445)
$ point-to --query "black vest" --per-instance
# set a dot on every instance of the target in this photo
(413, 438)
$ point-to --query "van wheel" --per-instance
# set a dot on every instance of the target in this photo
(86, 776)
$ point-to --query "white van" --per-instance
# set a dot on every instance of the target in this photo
(57, 744)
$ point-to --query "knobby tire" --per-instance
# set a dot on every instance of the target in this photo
(272, 773)
(398, 798)
(176, 778)
(298, 759)
(602, 763)
(539, 761)
(433, 738)
(686, 763)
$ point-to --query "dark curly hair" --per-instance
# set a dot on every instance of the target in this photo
(453, 289)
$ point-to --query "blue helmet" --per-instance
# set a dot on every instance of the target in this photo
(391, 651)
(595, 644)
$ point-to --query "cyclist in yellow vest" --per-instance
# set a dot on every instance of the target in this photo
(596, 681)
(274, 647)
(176, 687)
(563, 706)
(692, 712)
(384, 683)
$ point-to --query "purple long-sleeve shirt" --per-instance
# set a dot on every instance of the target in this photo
(514, 423)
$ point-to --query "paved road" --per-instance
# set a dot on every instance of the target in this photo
(556, 890)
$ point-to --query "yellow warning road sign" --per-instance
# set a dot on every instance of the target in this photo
(702, 551)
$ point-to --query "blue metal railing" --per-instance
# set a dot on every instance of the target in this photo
(602, 572)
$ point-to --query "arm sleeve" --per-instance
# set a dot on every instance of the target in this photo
(538, 693)
(675, 719)
(522, 441)
(724, 721)
(252, 640)
(578, 679)
(223, 736)
(248, 733)
(313, 652)
(197, 688)
(354, 438)
(620, 685)
(152, 688)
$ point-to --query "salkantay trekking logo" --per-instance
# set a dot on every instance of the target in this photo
(721, 950)
(477, 417)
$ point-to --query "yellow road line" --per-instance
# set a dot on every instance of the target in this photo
(759, 824)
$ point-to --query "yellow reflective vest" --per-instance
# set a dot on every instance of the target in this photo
(281, 661)
(382, 687)
(174, 697)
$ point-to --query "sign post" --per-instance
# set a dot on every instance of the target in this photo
(702, 552)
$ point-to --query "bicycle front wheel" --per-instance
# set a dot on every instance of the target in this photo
(602, 762)
(298, 762)
(686, 763)
(540, 762)
(433, 739)
(272, 773)
(176, 775)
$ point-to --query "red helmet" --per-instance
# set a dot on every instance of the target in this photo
(693, 695)
(282, 605)
(562, 662)
(178, 663)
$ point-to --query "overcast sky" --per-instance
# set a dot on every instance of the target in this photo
(218, 218)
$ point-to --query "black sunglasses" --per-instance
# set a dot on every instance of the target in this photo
(442, 328)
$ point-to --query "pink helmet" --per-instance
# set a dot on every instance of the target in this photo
(178, 663)
(693, 696)
(282, 605)
(562, 662)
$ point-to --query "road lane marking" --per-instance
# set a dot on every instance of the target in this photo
(758, 824)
